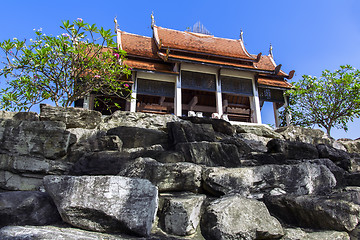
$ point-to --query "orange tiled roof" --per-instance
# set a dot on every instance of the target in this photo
(267, 63)
(137, 45)
(273, 82)
(149, 65)
(200, 43)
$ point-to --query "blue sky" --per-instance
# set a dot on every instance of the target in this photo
(307, 36)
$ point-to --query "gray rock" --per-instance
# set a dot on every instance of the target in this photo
(331, 212)
(105, 203)
(133, 137)
(166, 176)
(53, 232)
(27, 208)
(90, 140)
(293, 150)
(21, 181)
(219, 125)
(255, 142)
(35, 138)
(102, 163)
(297, 233)
(352, 146)
(72, 117)
(254, 182)
(28, 116)
(27, 164)
(260, 130)
(180, 213)
(210, 153)
(339, 157)
(137, 119)
(234, 217)
(308, 135)
(182, 132)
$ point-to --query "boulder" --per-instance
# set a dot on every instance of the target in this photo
(20, 181)
(35, 138)
(210, 153)
(179, 214)
(308, 135)
(27, 208)
(72, 117)
(167, 177)
(182, 132)
(259, 130)
(133, 137)
(105, 203)
(234, 217)
(102, 163)
(255, 142)
(254, 182)
(339, 157)
(352, 146)
(52, 232)
(26, 116)
(219, 125)
(297, 233)
(90, 140)
(137, 119)
(293, 150)
(331, 212)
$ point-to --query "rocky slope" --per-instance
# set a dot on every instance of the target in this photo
(74, 174)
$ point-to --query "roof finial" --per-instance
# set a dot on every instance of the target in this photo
(241, 35)
(116, 24)
(152, 20)
(271, 51)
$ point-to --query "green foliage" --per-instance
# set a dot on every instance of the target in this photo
(63, 69)
(329, 101)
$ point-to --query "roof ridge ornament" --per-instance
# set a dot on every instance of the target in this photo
(116, 25)
(241, 35)
(271, 51)
(152, 20)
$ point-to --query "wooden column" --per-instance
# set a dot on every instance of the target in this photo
(288, 115)
(255, 104)
(219, 105)
(276, 115)
(133, 92)
(177, 99)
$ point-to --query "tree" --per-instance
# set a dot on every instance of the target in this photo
(329, 101)
(63, 69)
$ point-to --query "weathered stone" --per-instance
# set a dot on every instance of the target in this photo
(339, 157)
(133, 137)
(20, 182)
(219, 125)
(308, 135)
(180, 213)
(28, 116)
(72, 117)
(332, 212)
(254, 182)
(166, 176)
(26, 164)
(353, 179)
(35, 138)
(255, 142)
(234, 217)
(293, 150)
(105, 203)
(210, 153)
(137, 119)
(297, 233)
(90, 140)
(182, 132)
(352, 146)
(52, 232)
(260, 130)
(102, 163)
(27, 208)
(260, 158)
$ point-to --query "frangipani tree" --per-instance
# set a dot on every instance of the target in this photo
(63, 69)
(329, 101)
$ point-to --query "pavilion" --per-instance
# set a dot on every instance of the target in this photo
(182, 72)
